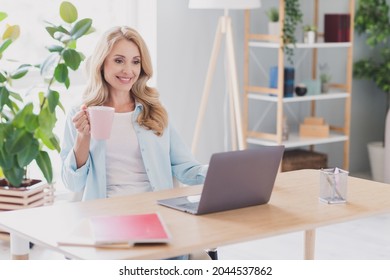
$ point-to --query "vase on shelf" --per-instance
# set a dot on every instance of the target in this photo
(376, 158)
(386, 163)
(273, 28)
(309, 37)
(324, 87)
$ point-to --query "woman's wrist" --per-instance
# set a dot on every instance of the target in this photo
(81, 148)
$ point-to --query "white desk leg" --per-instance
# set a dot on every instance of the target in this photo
(20, 248)
(310, 240)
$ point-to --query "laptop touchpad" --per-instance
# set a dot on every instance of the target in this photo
(193, 198)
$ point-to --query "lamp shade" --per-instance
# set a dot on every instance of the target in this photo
(224, 4)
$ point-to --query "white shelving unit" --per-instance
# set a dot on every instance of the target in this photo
(340, 92)
(272, 45)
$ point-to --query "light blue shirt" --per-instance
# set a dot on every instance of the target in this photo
(163, 156)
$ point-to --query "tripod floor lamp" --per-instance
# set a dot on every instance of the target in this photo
(224, 29)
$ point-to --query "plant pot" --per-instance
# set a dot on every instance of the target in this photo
(273, 28)
(309, 37)
(37, 193)
(324, 87)
(376, 157)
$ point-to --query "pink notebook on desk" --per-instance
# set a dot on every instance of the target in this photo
(118, 231)
(133, 228)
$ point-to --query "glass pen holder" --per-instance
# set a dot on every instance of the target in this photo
(333, 185)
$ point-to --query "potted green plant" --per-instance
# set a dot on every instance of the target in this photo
(292, 17)
(27, 122)
(273, 21)
(309, 33)
(372, 20)
(325, 77)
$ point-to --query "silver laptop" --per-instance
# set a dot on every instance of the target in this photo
(234, 180)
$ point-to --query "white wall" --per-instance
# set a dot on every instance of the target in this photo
(185, 39)
(184, 42)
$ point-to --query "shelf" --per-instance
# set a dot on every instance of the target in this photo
(273, 45)
(296, 141)
(257, 92)
(326, 96)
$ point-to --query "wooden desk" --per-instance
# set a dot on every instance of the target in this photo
(294, 206)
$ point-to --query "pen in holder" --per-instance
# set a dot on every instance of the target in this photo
(333, 185)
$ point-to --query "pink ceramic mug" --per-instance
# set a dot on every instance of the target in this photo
(101, 118)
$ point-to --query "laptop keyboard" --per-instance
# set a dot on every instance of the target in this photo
(190, 205)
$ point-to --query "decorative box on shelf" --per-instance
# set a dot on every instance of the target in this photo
(314, 127)
(337, 27)
(302, 159)
(313, 86)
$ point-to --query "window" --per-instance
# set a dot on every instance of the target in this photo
(30, 47)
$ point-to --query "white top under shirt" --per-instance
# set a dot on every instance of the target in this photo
(125, 169)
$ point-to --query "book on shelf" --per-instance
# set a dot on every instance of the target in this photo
(288, 83)
(337, 27)
(118, 231)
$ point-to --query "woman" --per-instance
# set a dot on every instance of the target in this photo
(144, 151)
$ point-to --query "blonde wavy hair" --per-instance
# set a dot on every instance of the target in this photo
(153, 116)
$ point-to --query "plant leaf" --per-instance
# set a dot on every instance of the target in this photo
(47, 67)
(12, 32)
(1, 136)
(19, 140)
(4, 45)
(47, 121)
(14, 175)
(61, 73)
(28, 154)
(72, 59)
(91, 30)
(16, 96)
(5, 161)
(53, 98)
(55, 48)
(56, 143)
(19, 120)
(32, 123)
(80, 28)
(3, 15)
(45, 138)
(68, 12)
(44, 163)
(2, 77)
(61, 106)
(51, 30)
(62, 37)
(4, 98)
(67, 83)
(20, 72)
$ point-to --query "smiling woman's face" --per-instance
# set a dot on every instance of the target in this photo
(122, 66)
